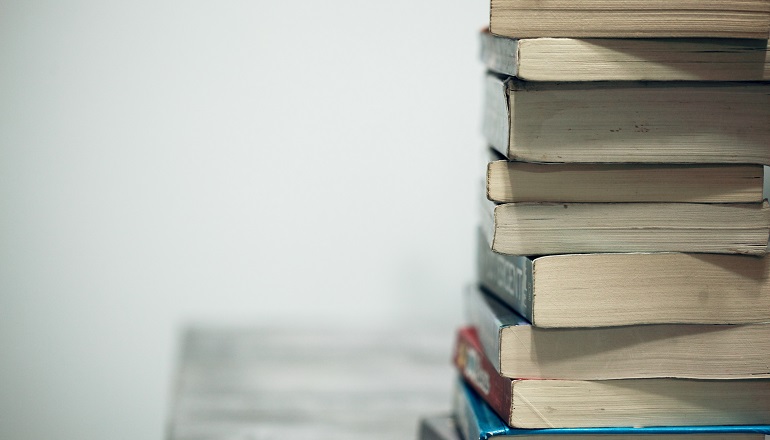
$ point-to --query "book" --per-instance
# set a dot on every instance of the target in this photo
(627, 59)
(441, 427)
(476, 420)
(567, 228)
(597, 290)
(518, 349)
(513, 181)
(628, 121)
(630, 18)
(538, 403)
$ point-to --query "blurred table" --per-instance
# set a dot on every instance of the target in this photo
(273, 383)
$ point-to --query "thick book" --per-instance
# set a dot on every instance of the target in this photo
(627, 59)
(441, 427)
(630, 18)
(537, 403)
(476, 420)
(597, 290)
(513, 181)
(628, 121)
(517, 349)
(527, 228)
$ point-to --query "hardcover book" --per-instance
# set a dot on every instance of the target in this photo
(628, 121)
(477, 421)
(527, 228)
(597, 290)
(630, 18)
(537, 403)
(627, 59)
(517, 349)
(512, 181)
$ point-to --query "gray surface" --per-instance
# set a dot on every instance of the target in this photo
(261, 384)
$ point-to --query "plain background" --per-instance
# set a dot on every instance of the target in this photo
(169, 162)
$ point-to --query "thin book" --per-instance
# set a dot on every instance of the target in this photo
(476, 420)
(627, 59)
(630, 18)
(517, 349)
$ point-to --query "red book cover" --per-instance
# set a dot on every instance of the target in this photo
(479, 373)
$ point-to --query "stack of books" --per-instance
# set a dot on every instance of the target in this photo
(623, 288)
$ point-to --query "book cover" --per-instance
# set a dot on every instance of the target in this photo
(480, 374)
(509, 277)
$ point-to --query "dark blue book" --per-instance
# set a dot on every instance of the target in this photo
(476, 420)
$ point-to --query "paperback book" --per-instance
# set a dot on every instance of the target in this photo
(476, 420)
(517, 349)
(627, 59)
(538, 403)
(526, 228)
(600, 290)
(513, 181)
(630, 18)
(628, 121)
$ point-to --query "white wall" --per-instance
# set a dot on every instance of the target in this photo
(166, 162)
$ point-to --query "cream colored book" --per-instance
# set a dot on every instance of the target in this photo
(638, 402)
(630, 18)
(517, 349)
(597, 290)
(540, 403)
(626, 121)
(627, 59)
(570, 228)
(510, 181)
(476, 420)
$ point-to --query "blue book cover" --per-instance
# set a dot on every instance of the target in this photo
(476, 420)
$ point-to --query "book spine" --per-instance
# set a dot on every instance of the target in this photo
(496, 120)
(487, 225)
(465, 418)
(480, 315)
(477, 371)
(473, 417)
(500, 54)
(508, 277)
